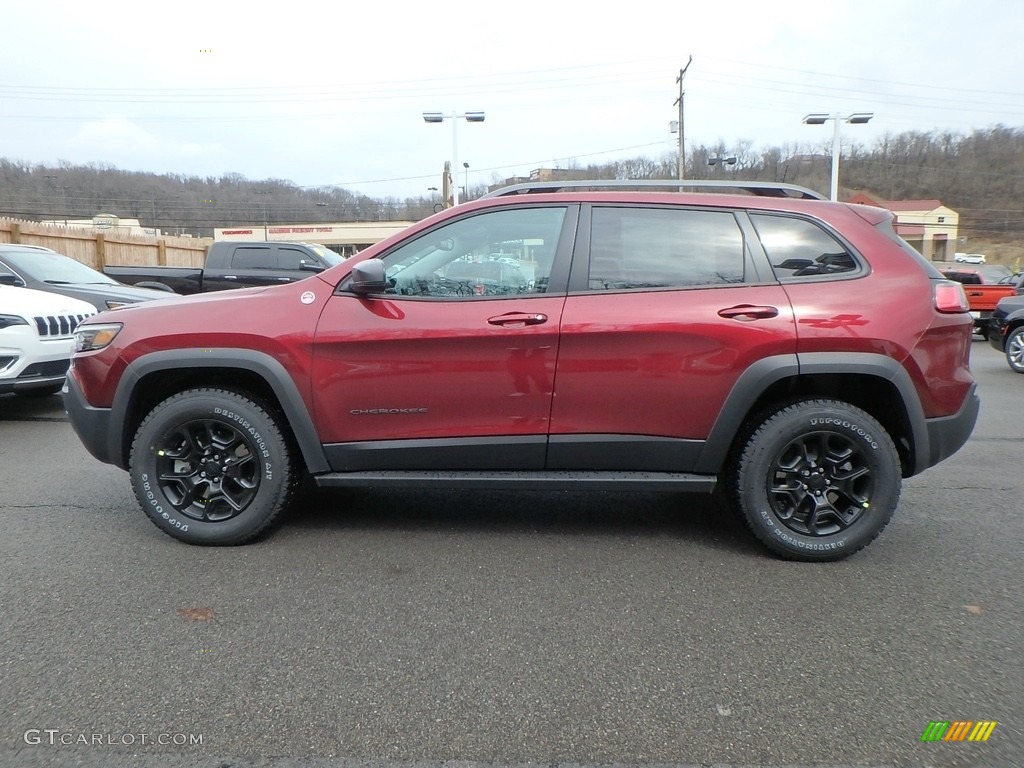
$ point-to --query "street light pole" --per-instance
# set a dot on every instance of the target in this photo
(470, 117)
(466, 188)
(820, 118)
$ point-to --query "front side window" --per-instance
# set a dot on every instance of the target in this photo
(293, 258)
(798, 248)
(663, 248)
(497, 253)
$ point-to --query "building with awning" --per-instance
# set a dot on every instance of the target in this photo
(345, 237)
(927, 225)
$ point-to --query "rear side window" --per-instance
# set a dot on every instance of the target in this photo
(798, 248)
(663, 248)
(246, 257)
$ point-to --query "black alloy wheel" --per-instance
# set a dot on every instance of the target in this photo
(207, 470)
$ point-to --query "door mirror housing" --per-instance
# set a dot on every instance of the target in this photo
(368, 277)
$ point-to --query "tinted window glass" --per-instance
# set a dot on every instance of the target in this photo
(663, 248)
(798, 248)
(293, 258)
(251, 258)
(500, 253)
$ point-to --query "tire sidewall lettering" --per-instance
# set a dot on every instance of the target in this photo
(246, 425)
(850, 426)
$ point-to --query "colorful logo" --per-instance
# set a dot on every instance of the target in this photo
(959, 730)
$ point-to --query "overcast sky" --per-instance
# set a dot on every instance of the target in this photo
(323, 93)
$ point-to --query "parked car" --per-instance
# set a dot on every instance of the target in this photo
(1006, 330)
(982, 295)
(665, 341)
(41, 269)
(236, 264)
(36, 339)
(969, 258)
(1016, 280)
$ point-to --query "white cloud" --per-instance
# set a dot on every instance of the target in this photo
(123, 143)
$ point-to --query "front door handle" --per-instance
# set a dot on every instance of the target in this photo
(518, 319)
(747, 312)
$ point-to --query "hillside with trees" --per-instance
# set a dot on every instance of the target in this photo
(980, 175)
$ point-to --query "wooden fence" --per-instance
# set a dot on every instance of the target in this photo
(99, 248)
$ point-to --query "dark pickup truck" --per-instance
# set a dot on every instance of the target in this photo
(234, 264)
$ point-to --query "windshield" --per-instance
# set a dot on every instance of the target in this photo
(49, 267)
(329, 257)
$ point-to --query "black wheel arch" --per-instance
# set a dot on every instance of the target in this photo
(153, 377)
(874, 383)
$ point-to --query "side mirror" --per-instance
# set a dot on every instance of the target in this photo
(311, 266)
(7, 278)
(368, 277)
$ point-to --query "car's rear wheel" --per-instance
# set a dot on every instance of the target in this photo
(816, 480)
(1015, 350)
(212, 466)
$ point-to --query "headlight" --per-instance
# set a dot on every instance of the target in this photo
(92, 337)
(6, 321)
(114, 303)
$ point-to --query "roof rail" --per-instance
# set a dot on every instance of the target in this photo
(759, 188)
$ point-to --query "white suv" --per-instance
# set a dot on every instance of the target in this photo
(969, 258)
(37, 339)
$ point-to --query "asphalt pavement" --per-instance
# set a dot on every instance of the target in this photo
(402, 628)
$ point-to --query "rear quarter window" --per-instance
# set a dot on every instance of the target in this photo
(800, 249)
(252, 257)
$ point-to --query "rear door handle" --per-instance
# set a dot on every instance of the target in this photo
(748, 312)
(518, 319)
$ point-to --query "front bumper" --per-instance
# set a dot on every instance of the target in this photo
(92, 425)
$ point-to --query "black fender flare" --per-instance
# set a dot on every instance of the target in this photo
(259, 363)
(754, 381)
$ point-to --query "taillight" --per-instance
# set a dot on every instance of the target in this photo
(950, 297)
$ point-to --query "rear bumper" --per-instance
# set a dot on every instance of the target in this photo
(92, 425)
(948, 434)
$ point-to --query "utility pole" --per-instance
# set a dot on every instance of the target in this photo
(679, 103)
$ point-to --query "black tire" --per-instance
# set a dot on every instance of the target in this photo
(816, 480)
(212, 466)
(1015, 350)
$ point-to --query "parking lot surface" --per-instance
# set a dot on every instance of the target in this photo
(428, 628)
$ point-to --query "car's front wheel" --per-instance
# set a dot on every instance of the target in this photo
(1015, 350)
(212, 466)
(816, 480)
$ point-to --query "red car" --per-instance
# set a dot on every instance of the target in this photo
(672, 341)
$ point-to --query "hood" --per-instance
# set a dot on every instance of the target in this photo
(26, 302)
(98, 294)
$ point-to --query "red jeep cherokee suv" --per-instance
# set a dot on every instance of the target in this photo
(792, 350)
